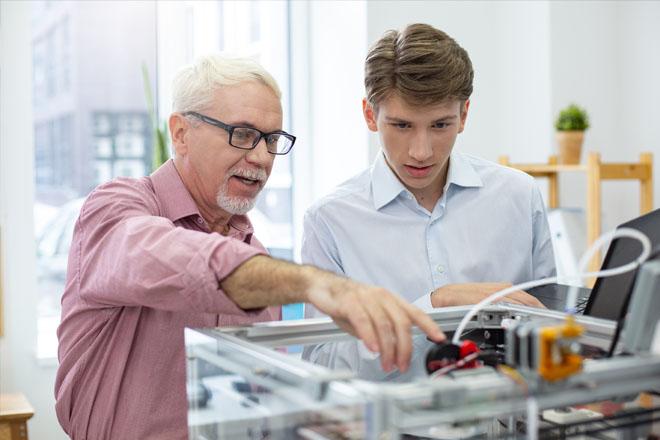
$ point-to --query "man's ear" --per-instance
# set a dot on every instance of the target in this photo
(464, 113)
(179, 126)
(369, 115)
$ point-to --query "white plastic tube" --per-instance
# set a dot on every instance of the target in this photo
(571, 298)
(532, 419)
(572, 294)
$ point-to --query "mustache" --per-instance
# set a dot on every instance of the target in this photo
(253, 174)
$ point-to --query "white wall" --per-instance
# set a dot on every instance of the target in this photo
(18, 367)
(508, 44)
(533, 58)
(328, 47)
(605, 56)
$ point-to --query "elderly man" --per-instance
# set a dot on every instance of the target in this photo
(151, 256)
(437, 227)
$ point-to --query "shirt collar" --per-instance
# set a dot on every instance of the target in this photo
(172, 194)
(177, 202)
(386, 186)
(462, 173)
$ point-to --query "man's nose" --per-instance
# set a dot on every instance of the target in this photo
(259, 155)
(421, 148)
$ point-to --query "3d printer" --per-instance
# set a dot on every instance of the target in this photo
(531, 379)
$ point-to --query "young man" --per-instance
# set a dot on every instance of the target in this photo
(153, 255)
(433, 225)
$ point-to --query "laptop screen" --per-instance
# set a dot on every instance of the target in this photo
(609, 297)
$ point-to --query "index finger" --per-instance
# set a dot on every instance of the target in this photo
(362, 325)
(425, 323)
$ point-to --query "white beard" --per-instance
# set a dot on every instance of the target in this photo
(238, 205)
(234, 205)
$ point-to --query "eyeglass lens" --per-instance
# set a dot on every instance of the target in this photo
(247, 137)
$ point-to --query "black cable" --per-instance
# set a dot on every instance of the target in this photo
(625, 420)
(619, 326)
(593, 431)
(492, 358)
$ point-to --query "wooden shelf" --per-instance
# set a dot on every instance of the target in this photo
(15, 411)
(596, 171)
(536, 169)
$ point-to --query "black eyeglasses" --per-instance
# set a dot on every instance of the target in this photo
(247, 138)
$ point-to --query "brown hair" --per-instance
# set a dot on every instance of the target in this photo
(422, 64)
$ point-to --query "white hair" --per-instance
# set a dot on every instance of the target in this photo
(193, 85)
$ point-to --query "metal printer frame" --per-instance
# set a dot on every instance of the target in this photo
(292, 398)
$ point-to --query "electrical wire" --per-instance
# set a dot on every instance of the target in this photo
(462, 362)
(572, 295)
(458, 364)
(571, 298)
(532, 418)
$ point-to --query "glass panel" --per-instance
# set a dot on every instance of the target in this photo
(103, 146)
(229, 398)
(102, 171)
(90, 122)
(129, 168)
(251, 28)
(130, 145)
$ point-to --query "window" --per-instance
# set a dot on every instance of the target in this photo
(252, 28)
(258, 29)
(121, 145)
(90, 123)
(90, 118)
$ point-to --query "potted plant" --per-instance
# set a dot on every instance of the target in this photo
(160, 153)
(571, 124)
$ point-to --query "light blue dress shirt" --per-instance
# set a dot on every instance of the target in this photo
(489, 225)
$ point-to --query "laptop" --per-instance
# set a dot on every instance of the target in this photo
(610, 296)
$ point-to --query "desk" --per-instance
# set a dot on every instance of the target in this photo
(15, 411)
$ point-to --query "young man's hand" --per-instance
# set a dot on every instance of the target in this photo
(472, 293)
(381, 319)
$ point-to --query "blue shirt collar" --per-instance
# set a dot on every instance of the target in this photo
(386, 186)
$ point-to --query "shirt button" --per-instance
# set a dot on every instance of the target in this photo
(440, 268)
(200, 220)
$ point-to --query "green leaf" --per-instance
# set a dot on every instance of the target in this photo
(572, 118)
(160, 152)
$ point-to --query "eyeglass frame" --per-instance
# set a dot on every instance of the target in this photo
(230, 129)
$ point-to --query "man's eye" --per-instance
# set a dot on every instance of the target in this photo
(242, 134)
(440, 125)
(401, 125)
(273, 139)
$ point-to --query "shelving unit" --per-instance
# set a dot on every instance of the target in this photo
(596, 171)
(15, 411)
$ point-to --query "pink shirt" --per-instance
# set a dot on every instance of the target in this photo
(143, 265)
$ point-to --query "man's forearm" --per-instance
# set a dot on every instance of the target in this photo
(378, 317)
(263, 281)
